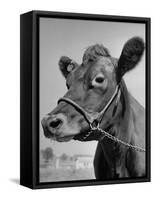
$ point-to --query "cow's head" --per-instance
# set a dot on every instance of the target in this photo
(91, 86)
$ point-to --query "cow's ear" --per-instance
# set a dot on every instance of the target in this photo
(66, 65)
(130, 56)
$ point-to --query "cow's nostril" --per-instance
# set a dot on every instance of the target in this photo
(55, 123)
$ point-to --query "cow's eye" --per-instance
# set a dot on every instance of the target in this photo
(98, 80)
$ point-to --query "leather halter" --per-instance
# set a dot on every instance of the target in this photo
(93, 118)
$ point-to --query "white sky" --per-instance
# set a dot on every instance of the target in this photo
(71, 37)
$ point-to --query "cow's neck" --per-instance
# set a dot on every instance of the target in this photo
(113, 151)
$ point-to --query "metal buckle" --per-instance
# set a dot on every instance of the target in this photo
(93, 126)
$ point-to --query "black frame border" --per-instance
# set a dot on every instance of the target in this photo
(31, 177)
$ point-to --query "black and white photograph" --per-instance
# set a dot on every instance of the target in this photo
(92, 100)
(85, 99)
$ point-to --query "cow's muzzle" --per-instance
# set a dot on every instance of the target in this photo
(51, 125)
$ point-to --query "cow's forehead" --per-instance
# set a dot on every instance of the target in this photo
(102, 63)
(105, 63)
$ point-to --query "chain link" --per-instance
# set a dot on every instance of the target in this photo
(106, 134)
(136, 148)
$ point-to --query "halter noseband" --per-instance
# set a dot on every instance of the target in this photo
(94, 119)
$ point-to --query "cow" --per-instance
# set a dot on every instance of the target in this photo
(98, 106)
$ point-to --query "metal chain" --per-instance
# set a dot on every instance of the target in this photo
(136, 148)
(106, 134)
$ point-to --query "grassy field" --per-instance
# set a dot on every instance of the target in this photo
(49, 174)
